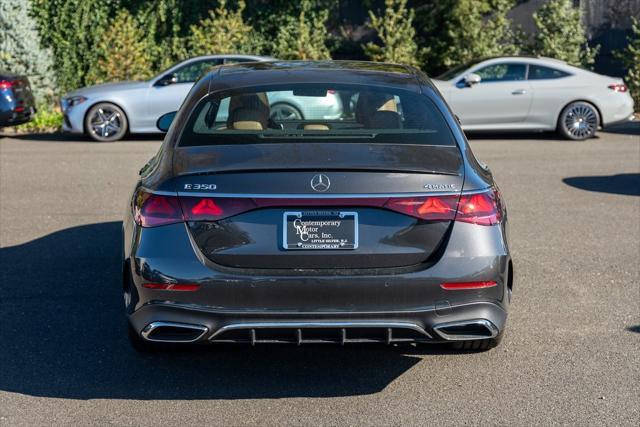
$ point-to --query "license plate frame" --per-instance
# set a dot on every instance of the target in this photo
(316, 232)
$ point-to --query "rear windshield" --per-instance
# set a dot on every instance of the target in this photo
(313, 112)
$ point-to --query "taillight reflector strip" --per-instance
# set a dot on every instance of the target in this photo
(180, 287)
(461, 286)
(485, 208)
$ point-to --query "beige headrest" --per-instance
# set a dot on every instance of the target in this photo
(316, 126)
(249, 107)
(370, 102)
(247, 125)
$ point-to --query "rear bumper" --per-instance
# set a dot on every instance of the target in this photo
(211, 326)
(230, 299)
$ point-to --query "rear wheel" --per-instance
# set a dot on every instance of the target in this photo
(477, 345)
(578, 121)
(106, 122)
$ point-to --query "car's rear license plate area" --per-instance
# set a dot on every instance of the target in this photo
(318, 230)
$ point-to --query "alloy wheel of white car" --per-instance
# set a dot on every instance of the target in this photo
(578, 121)
(282, 111)
(106, 122)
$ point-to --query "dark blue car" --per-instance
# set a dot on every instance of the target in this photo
(17, 104)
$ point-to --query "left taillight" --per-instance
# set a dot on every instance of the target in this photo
(152, 210)
(214, 209)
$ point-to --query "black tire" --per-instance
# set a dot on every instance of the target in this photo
(282, 107)
(578, 121)
(106, 122)
(477, 345)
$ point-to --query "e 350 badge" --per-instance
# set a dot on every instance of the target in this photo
(200, 187)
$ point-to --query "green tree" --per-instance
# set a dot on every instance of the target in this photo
(630, 57)
(72, 29)
(396, 32)
(224, 31)
(453, 32)
(561, 33)
(123, 52)
(20, 50)
(304, 37)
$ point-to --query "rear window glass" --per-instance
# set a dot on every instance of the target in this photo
(538, 72)
(313, 112)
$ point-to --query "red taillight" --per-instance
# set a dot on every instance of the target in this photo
(152, 210)
(436, 208)
(460, 286)
(19, 109)
(180, 287)
(480, 208)
(5, 84)
(618, 87)
(213, 209)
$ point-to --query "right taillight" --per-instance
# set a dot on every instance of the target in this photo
(480, 208)
(618, 87)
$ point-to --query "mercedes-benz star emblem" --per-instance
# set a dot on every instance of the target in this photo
(320, 183)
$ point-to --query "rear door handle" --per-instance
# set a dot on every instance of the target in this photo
(519, 92)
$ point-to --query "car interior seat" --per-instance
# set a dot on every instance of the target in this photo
(248, 112)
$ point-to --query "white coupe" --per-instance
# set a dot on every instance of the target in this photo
(522, 93)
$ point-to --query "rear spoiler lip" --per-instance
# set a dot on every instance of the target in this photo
(317, 196)
(321, 169)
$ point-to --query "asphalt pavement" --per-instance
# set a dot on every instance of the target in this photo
(571, 354)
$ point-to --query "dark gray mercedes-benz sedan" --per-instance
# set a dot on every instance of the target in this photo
(378, 225)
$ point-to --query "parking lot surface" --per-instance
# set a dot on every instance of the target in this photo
(570, 355)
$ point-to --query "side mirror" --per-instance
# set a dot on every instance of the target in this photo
(472, 79)
(167, 79)
(165, 120)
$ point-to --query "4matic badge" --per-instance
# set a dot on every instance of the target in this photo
(439, 187)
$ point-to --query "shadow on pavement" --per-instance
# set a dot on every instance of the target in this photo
(68, 137)
(63, 335)
(627, 128)
(635, 329)
(627, 183)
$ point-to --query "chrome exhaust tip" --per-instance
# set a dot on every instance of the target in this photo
(171, 332)
(467, 330)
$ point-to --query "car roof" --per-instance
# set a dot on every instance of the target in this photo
(231, 55)
(344, 72)
(9, 75)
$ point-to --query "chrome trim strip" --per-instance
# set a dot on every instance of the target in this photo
(155, 325)
(162, 193)
(450, 337)
(319, 325)
(321, 196)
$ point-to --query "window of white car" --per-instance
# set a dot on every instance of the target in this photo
(538, 72)
(191, 72)
(502, 72)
